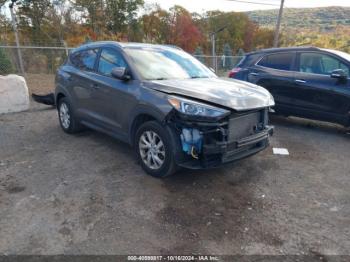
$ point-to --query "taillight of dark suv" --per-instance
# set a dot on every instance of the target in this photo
(233, 72)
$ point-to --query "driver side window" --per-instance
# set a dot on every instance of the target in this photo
(110, 59)
(321, 64)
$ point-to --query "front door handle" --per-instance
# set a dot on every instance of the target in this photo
(300, 81)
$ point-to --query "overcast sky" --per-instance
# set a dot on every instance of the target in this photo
(227, 5)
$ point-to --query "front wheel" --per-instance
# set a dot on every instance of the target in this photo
(153, 149)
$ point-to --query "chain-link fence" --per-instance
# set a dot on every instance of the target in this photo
(220, 64)
(40, 64)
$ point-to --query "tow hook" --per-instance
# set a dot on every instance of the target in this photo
(192, 141)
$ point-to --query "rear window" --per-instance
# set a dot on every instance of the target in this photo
(281, 61)
(247, 60)
(241, 62)
(84, 60)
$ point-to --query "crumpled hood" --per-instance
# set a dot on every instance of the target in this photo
(235, 94)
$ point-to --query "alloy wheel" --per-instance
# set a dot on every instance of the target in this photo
(64, 115)
(152, 150)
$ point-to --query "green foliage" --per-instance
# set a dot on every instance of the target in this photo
(198, 53)
(33, 15)
(304, 18)
(122, 14)
(240, 52)
(5, 64)
(53, 22)
(227, 63)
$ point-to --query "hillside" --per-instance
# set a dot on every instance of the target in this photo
(323, 18)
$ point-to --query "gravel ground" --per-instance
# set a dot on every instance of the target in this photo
(85, 194)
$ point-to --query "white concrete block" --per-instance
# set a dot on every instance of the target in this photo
(14, 95)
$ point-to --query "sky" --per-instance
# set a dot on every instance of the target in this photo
(237, 5)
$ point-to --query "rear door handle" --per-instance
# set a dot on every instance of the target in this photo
(254, 74)
(300, 81)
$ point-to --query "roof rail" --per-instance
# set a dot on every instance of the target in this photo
(173, 46)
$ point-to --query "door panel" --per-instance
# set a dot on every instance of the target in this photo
(319, 95)
(274, 72)
(316, 92)
(82, 78)
(114, 98)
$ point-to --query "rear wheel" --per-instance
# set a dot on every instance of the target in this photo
(68, 121)
(153, 149)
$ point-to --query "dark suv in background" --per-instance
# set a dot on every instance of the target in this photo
(305, 81)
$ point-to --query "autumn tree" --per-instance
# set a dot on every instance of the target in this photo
(92, 11)
(122, 15)
(33, 14)
(155, 26)
(263, 38)
(183, 31)
(5, 28)
(227, 63)
(198, 53)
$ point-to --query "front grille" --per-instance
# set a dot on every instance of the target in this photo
(245, 124)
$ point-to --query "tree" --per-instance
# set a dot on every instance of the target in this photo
(33, 15)
(122, 15)
(5, 28)
(5, 64)
(240, 52)
(228, 62)
(198, 53)
(93, 12)
(263, 38)
(183, 31)
(156, 26)
(249, 35)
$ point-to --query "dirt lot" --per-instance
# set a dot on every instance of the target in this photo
(85, 194)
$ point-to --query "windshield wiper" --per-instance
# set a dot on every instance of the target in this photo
(194, 77)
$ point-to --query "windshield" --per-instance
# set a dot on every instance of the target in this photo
(344, 55)
(162, 64)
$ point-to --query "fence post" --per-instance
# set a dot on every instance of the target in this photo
(19, 54)
(213, 52)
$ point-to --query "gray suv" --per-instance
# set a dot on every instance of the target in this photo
(162, 101)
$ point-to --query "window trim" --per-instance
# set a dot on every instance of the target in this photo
(293, 69)
(122, 55)
(297, 64)
(83, 50)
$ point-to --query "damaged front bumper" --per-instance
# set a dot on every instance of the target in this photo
(232, 138)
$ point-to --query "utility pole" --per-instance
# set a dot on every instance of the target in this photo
(213, 42)
(14, 25)
(278, 25)
(213, 53)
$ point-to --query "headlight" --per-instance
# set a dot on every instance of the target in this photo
(193, 108)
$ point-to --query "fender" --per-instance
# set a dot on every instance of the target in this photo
(60, 89)
(142, 109)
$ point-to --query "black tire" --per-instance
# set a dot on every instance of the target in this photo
(74, 126)
(168, 167)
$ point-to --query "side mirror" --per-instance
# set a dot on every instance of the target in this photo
(339, 74)
(120, 73)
